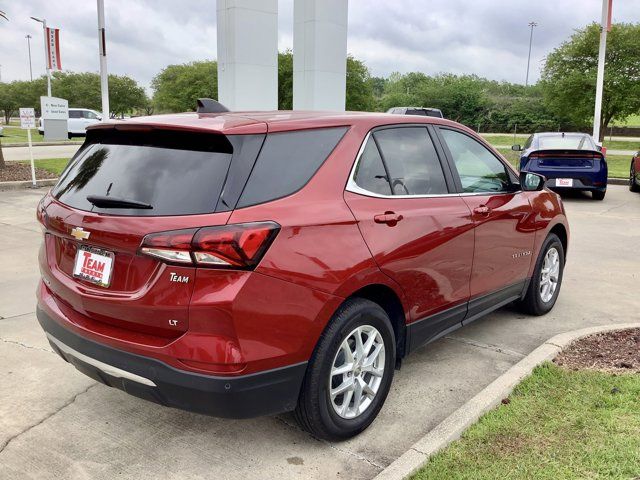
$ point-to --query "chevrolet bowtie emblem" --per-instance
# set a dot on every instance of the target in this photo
(79, 233)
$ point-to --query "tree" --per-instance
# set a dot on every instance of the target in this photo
(570, 71)
(285, 80)
(177, 87)
(82, 90)
(125, 95)
(359, 95)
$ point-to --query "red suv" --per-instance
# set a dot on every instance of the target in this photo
(244, 264)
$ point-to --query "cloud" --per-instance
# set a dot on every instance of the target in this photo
(489, 38)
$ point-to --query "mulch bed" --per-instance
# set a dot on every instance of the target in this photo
(612, 352)
(14, 171)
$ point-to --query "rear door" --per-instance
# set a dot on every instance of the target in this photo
(92, 263)
(502, 216)
(419, 233)
(75, 123)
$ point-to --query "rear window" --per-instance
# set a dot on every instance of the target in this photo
(287, 162)
(569, 141)
(177, 173)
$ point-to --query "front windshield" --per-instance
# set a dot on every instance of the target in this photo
(573, 141)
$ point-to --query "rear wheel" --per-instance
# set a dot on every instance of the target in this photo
(350, 372)
(633, 186)
(544, 286)
(598, 194)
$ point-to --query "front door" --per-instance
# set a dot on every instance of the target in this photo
(419, 233)
(503, 219)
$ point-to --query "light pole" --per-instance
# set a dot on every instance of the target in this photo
(28, 37)
(605, 26)
(46, 55)
(102, 47)
(531, 24)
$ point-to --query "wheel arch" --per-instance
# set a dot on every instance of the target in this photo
(388, 299)
(561, 232)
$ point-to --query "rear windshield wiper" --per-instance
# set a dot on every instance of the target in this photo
(101, 201)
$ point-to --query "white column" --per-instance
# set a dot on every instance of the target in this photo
(597, 114)
(248, 54)
(319, 54)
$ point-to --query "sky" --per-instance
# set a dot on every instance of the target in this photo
(489, 38)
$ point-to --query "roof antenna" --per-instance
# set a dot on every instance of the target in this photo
(208, 105)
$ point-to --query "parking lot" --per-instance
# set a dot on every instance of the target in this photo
(57, 423)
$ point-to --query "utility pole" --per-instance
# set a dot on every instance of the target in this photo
(605, 26)
(46, 55)
(28, 37)
(531, 25)
(102, 47)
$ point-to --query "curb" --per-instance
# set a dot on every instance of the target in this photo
(20, 184)
(618, 181)
(452, 427)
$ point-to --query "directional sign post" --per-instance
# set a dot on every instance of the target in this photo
(27, 122)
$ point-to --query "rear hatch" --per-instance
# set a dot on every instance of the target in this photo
(564, 160)
(122, 186)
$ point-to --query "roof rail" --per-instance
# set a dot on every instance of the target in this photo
(209, 105)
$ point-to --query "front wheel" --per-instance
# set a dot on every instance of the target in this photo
(350, 372)
(544, 286)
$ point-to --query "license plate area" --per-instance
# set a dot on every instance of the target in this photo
(93, 265)
(564, 182)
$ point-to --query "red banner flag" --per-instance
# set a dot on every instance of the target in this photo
(609, 16)
(53, 48)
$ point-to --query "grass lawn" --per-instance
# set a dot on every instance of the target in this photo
(55, 165)
(557, 424)
(18, 135)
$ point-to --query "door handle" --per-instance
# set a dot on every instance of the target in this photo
(482, 210)
(390, 218)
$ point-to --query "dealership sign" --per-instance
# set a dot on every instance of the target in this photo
(27, 118)
(53, 108)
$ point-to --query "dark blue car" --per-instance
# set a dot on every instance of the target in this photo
(567, 160)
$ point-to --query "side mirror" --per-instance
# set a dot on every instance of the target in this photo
(532, 182)
(516, 148)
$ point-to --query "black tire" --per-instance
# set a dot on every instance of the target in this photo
(532, 303)
(315, 411)
(598, 194)
(633, 186)
(70, 136)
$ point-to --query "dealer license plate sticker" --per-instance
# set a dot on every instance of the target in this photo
(564, 182)
(93, 265)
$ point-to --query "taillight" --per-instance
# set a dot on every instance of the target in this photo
(228, 246)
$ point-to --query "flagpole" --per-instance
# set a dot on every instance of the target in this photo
(604, 26)
(102, 45)
(46, 52)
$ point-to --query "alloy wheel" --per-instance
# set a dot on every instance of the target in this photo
(357, 371)
(549, 275)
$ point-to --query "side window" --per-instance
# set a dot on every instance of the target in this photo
(75, 114)
(287, 162)
(89, 115)
(411, 160)
(478, 168)
(370, 173)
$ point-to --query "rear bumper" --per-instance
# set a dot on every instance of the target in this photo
(578, 183)
(265, 393)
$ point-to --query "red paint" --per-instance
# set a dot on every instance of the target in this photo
(433, 253)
